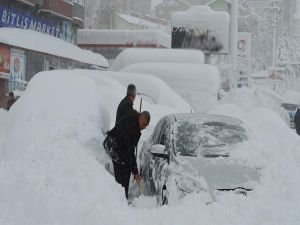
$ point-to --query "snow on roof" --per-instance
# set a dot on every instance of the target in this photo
(140, 55)
(192, 15)
(123, 37)
(40, 42)
(151, 87)
(138, 21)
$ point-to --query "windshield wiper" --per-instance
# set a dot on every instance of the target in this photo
(211, 146)
(215, 155)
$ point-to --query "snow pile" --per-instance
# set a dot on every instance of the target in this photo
(50, 156)
(40, 42)
(280, 179)
(256, 96)
(47, 160)
(292, 97)
(274, 152)
(156, 90)
(141, 55)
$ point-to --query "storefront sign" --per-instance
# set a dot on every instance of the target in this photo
(17, 65)
(4, 59)
(12, 18)
(244, 57)
(244, 44)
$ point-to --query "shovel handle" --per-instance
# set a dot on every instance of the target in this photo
(141, 191)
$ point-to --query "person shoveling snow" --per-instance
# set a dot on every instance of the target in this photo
(120, 143)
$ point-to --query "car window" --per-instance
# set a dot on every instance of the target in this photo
(191, 137)
(160, 133)
(163, 139)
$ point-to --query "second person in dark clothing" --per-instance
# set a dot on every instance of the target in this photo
(11, 100)
(297, 121)
(126, 105)
(123, 139)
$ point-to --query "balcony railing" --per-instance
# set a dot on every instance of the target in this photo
(78, 14)
(58, 7)
(28, 2)
(63, 8)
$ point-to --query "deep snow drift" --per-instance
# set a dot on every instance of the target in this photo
(51, 159)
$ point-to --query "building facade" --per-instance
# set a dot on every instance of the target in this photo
(24, 53)
(59, 18)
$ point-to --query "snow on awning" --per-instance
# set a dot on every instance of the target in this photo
(39, 42)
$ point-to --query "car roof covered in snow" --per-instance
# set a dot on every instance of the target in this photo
(205, 117)
(142, 55)
(197, 83)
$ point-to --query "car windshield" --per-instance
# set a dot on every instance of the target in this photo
(289, 107)
(191, 137)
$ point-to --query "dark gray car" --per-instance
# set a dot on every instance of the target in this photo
(192, 153)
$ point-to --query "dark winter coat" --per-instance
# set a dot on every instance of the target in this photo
(124, 108)
(297, 118)
(125, 136)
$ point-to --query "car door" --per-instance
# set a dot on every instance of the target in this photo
(159, 165)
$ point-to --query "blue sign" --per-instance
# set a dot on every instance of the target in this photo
(12, 18)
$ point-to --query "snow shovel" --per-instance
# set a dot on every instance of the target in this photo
(139, 183)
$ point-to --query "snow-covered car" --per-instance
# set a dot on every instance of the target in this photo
(192, 153)
(291, 109)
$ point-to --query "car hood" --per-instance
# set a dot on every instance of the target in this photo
(222, 173)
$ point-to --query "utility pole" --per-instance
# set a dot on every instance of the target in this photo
(234, 32)
(275, 7)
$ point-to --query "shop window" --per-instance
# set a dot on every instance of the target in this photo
(80, 2)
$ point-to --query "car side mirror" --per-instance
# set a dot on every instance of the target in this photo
(159, 151)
